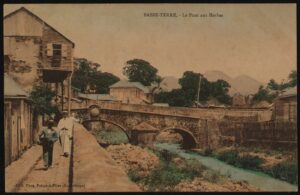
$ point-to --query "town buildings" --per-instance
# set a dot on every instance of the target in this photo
(285, 106)
(18, 126)
(34, 53)
(131, 92)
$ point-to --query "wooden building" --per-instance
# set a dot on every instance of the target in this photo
(285, 106)
(131, 92)
(35, 52)
(18, 127)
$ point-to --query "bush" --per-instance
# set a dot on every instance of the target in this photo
(134, 175)
(247, 161)
(213, 176)
(168, 174)
(287, 170)
(111, 136)
(229, 157)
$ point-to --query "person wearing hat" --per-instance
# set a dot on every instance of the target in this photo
(47, 138)
(65, 127)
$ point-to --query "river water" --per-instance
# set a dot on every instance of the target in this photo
(258, 179)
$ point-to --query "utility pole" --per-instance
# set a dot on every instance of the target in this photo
(198, 93)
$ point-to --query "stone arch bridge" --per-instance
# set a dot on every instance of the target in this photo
(199, 128)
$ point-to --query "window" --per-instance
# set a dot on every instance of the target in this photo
(56, 52)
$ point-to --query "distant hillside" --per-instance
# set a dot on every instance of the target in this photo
(169, 83)
(243, 84)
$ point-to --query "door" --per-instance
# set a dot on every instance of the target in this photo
(7, 132)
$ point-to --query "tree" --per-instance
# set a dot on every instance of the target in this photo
(82, 74)
(87, 74)
(41, 97)
(138, 70)
(102, 81)
(263, 94)
(219, 89)
(189, 84)
(292, 78)
(176, 97)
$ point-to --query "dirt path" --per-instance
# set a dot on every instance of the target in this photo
(52, 180)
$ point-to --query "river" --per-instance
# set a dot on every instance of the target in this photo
(258, 179)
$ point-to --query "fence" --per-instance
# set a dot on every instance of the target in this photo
(271, 133)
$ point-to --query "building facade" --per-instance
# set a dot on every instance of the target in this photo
(130, 92)
(35, 52)
(18, 126)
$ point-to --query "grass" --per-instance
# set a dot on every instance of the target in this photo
(246, 161)
(286, 170)
(168, 174)
(111, 135)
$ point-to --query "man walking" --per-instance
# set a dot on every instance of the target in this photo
(47, 138)
(65, 126)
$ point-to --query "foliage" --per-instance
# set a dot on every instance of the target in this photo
(87, 74)
(263, 94)
(292, 79)
(189, 84)
(111, 136)
(168, 174)
(134, 175)
(287, 170)
(176, 97)
(219, 89)
(189, 89)
(102, 81)
(213, 176)
(41, 97)
(246, 161)
(138, 70)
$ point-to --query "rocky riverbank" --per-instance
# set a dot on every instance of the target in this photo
(156, 171)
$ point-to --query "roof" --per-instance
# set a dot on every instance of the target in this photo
(104, 97)
(127, 84)
(12, 88)
(144, 126)
(289, 93)
(39, 19)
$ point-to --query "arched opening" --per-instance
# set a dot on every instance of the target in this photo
(187, 140)
(107, 132)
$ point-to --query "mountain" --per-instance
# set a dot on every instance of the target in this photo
(169, 83)
(243, 84)
(246, 85)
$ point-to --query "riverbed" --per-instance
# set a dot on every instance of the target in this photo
(258, 179)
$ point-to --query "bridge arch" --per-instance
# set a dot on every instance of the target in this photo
(189, 140)
(110, 122)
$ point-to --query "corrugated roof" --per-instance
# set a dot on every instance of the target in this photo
(12, 88)
(289, 92)
(144, 126)
(104, 97)
(127, 84)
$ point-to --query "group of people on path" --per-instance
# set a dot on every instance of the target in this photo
(49, 135)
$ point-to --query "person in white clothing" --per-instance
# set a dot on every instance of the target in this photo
(65, 127)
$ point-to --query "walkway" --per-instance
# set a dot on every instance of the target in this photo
(90, 169)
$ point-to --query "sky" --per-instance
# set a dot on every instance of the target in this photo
(258, 40)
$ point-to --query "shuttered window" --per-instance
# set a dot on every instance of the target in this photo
(57, 52)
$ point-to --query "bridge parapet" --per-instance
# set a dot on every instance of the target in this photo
(203, 113)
